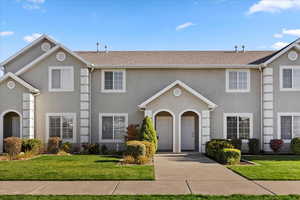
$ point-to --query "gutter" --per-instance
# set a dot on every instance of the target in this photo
(90, 105)
(261, 107)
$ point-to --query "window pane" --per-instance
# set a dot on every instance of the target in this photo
(286, 127)
(107, 127)
(297, 126)
(244, 127)
(231, 127)
(67, 79)
(287, 78)
(232, 80)
(56, 84)
(54, 126)
(296, 78)
(242, 81)
(67, 128)
(108, 80)
(118, 80)
(119, 127)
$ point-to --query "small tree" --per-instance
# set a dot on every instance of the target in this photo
(148, 132)
(132, 132)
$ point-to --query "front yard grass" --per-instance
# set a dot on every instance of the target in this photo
(150, 197)
(74, 167)
(270, 167)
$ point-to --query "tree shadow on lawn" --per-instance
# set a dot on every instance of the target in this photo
(272, 157)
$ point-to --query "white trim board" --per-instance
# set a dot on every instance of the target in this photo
(100, 126)
(20, 81)
(183, 85)
(27, 48)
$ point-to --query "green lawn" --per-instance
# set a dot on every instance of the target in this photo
(281, 167)
(152, 197)
(75, 167)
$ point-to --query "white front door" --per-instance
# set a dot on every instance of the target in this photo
(164, 132)
(188, 133)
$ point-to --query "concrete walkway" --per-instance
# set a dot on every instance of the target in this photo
(175, 174)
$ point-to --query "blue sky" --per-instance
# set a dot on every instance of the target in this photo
(150, 24)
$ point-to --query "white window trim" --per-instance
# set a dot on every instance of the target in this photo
(287, 114)
(50, 78)
(60, 115)
(281, 78)
(250, 115)
(113, 90)
(238, 90)
(100, 126)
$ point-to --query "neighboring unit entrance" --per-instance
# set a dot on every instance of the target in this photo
(188, 133)
(164, 128)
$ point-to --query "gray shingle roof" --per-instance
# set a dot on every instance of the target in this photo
(175, 57)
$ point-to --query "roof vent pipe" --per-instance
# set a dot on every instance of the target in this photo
(243, 48)
(97, 44)
(106, 50)
(236, 49)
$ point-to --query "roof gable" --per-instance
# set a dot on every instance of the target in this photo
(183, 85)
(20, 81)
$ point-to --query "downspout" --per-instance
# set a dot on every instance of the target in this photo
(261, 107)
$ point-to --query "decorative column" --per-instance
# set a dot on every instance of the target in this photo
(268, 131)
(205, 130)
(28, 116)
(84, 106)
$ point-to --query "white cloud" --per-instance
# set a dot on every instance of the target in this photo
(277, 35)
(273, 6)
(279, 45)
(32, 4)
(6, 33)
(293, 32)
(185, 25)
(36, 1)
(32, 37)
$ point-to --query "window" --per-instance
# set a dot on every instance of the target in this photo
(290, 78)
(113, 81)
(288, 126)
(61, 79)
(113, 126)
(238, 80)
(238, 125)
(62, 125)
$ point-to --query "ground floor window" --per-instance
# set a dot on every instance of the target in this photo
(113, 126)
(62, 125)
(238, 125)
(289, 125)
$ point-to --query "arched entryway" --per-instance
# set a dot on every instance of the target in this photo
(10, 125)
(164, 125)
(189, 132)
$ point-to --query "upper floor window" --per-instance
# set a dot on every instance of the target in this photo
(61, 79)
(238, 125)
(290, 78)
(113, 81)
(237, 80)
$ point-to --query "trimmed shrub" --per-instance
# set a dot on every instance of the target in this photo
(230, 156)
(276, 144)
(53, 145)
(128, 159)
(214, 147)
(132, 132)
(150, 149)
(237, 143)
(148, 132)
(295, 145)
(135, 148)
(141, 160)
(32, 145)
(12, 146)
(104, 149)
(63, 153)
(67, 147)
(254, 146)
(94, 149)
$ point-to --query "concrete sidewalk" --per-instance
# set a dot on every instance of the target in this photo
(175, 174)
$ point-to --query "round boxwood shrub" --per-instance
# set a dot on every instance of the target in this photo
(135, 148)
(295, 145)
(230, 156)
(12, 146)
